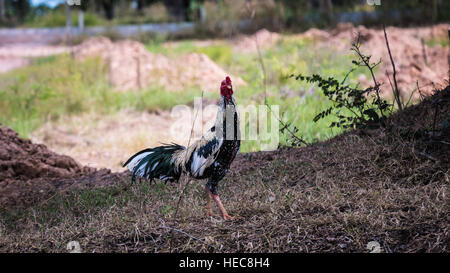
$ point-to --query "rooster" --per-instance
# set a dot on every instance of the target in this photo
(209, 157)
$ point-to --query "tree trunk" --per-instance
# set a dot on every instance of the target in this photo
(2, 10)
(434, 13)
(108, 6)
(177, 8)
(68, 16)
(140, 5)
(68, 21)
(326, 7)
(81, 20)
(21, 6)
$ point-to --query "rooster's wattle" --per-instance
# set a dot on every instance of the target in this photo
(208, 158)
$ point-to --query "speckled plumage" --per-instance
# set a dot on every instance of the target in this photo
(208, 158)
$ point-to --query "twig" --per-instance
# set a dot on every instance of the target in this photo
(422, 96)
(285, 126)
(185, 233)
(392, 87)
(424, 51)
(263, 67)
(366, 62)
(188, 180)
(410, 96)
(347, 75)
(428, 156)
(397, 92)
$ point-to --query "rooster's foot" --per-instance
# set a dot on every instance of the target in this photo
(210, 213)
(228, 217)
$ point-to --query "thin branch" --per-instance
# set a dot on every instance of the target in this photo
(187, 177)
(392, 87)
(263, 67)
(396, 92)
(428, 156)
(285, 126)
(366, 62)
(424, 51)
(410, 97)
(422, 96)
(348, 74)
(185, 233)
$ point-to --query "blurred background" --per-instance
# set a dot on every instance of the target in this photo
(221, 17)
(97, 80)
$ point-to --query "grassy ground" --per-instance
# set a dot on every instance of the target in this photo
(60, 86)
(156, 13)
(387, 185)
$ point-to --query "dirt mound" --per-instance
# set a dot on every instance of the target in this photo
(247, 44)
(21, 162)
(202, 72)
(382, 186)
(17, 55)
(414, 60)
(10, 63)
(316, 34)
(131, 66)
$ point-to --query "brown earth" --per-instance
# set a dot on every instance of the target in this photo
(27, 169)
(408, 52)
(122, 134)
(388, 186)
(132, 66)
(20, 55)
(249, 44)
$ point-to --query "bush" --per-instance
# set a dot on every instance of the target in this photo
(365, 107)
(57, 18)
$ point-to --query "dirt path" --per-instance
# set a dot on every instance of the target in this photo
(14, 56)
(108, 141)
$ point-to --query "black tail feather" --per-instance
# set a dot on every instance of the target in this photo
(156, 163)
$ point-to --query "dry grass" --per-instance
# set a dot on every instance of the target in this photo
(108, 141)
(389, 186)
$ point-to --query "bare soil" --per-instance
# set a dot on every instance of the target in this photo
(14, 56)
(387, 185)
(122, 134)
(132, 66)
(417, 64)
(25, 168)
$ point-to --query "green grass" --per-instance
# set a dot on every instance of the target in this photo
(432, 42)
(353, 189)
(156, 13)
(59, 85)
(289, 56)
(58, 19)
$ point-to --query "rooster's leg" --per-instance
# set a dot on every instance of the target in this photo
(209, 210)
(222, 208)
